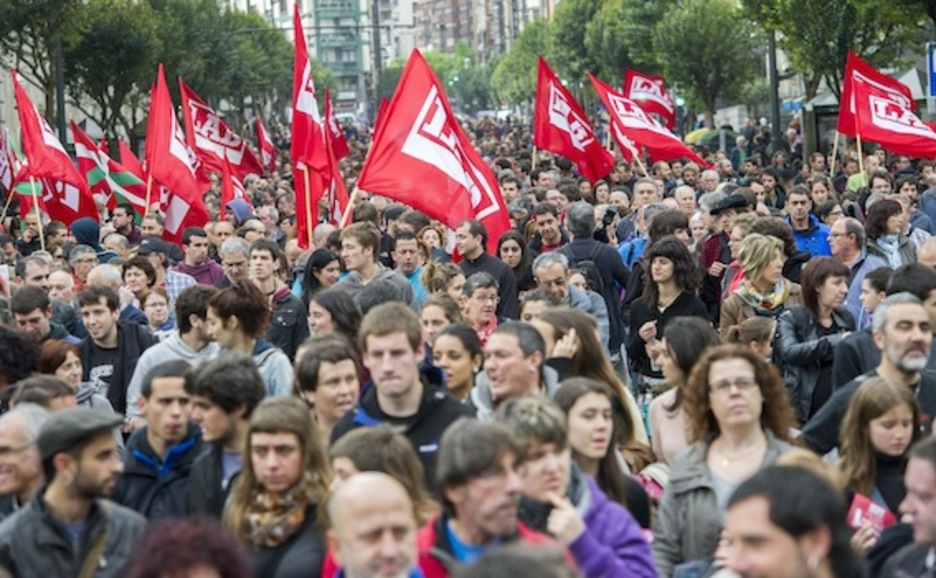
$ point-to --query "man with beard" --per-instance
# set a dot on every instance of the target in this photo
(903, 332)
(69, 528)
(479, 483)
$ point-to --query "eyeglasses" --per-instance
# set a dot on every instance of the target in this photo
(743, 384)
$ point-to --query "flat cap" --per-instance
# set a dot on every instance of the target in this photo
(66, 429)
(153, 245)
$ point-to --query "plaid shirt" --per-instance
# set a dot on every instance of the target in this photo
(175, 284)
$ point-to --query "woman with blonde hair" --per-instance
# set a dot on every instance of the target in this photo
(739, 423)
(764, 292)
(274, 503)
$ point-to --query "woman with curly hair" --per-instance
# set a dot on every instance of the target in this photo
(512, 250)
(444, 278)
(669, 292)
(739, 423)
(765, 292)
(885, 231)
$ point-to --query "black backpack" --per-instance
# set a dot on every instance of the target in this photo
(588, 266)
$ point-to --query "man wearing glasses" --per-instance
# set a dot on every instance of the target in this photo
(551, 271)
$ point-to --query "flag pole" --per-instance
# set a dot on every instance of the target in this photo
(864, 178)
(310, 226)
(149, 192)
(347, 212)
(643, 167)
(32, 184)
(533, 162)
(834, 156)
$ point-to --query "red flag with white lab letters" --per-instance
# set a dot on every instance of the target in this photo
(421, 157)
(561, 126)
(651, 94)
(858, 69)
(339, 144)
(885, 117)
(266, 147)
(635, 124)
(212, 139)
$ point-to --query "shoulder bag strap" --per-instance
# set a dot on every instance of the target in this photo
(97, 549)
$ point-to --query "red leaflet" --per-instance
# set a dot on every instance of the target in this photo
(561, 126)
(421, 157)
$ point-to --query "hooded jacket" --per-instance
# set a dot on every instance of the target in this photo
(87, 232)
(171, 348)
(815, 239)
(437, 410)
(353, 286)
(88, 397)
(612, 544)
(241, 210)
(482, 399)
(289, 325)
(275, 368)
(132, 341)
(208, 273)
(158, 488)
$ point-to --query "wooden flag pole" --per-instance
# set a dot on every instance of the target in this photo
(643, 167)
(347, 212)
(834, 156)
(310, 226)
(6, 207)
(32, 184)
(533, 160)
(149, 192)
(864, 178)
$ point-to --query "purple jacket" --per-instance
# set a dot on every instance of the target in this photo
(613, 544)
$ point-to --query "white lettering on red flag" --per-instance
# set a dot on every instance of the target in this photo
(564, 118)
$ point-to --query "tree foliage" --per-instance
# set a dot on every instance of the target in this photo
(706, 48)
(514, 78)
(620, 36)
(568, 27)
(817, 35)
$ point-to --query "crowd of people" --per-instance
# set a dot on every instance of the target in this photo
(677, 371)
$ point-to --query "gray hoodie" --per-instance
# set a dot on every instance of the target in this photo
(353, 286)
(88, 396)
(483, 402)
(169, 349)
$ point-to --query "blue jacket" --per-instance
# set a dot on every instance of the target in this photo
(815, 239)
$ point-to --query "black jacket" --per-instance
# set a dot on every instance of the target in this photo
(132, 341)
(436, 412)
(803, 352)
(821, 433)
(685, 305)
(509, 304)
(300, 556)
(206, 494)
(153, 487)
(615, 276)
(289, 325)
(855, 355)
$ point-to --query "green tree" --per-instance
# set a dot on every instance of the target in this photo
(568, 57)
(620, 36)
(705, 47)
(28, 33)
(514, 77)
(817, 35)
(113, 59)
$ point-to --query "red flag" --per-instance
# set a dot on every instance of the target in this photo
(212, 139)
(107, 176)
(6, 165)
(307, 146)
(885, 117)
(421, 157)
(173, 164)
(339, 144)
(561, 126)
(266, 146)
(231, 187)
(856, 68)
(381, 113)
(169, 159)
(649, 92)
(64, 191)
(635, 124)
(130, 161)
(337, 191)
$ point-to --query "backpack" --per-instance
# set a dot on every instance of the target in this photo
(588, 266)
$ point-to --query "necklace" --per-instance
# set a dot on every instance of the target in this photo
(728, 460)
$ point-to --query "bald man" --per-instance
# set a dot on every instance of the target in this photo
(373, 532)
(926, 254)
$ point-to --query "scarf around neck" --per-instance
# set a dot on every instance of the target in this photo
(772, 301)
(275, 518)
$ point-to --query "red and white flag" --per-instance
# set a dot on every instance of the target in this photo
(885, 117)
(64, 191)
(561, 126)
(339, 144)
(421, 157)
(650, 93)
(107, 176)
(266, 147)
(6, 165)
(130, 160)
(173, 164)
(231, 187)
(212, 139)
(857, 69)
(336, 190)
(307, 146)
(635, 124)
